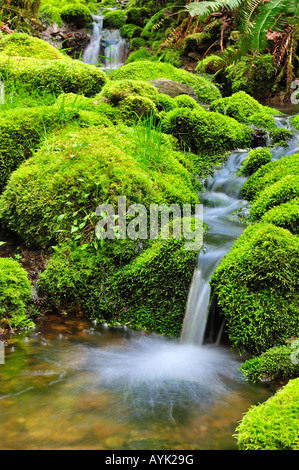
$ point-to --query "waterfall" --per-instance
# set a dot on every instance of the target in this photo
(221, 199)
(106, 47)
(223, 196)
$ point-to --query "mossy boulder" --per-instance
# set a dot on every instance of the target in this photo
(255, 159)
(243, 108)
(274, 424)
(114, 19)
(269, 174)
(256, 287)
(77, 14)
(134, 107)
(205, 90)
(275, 364)
(196, 42)
(206, 132)
(277, 193)
(118, 90)
(284, 215)
(185, 101)
(80, 168)
(53, 76)
(15, 295)
(23, 45)
(262, 120)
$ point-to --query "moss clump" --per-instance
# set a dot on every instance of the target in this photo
(282, 191)
(274, 364)
(186, 101)
(165, 102)
(117, 90)
(241, 107)
(133, 107)
(23, 45)
(262, 121)
(255, 159)
(269, 174)
(285, 215)
(256, 287)
(140, 54)
(206, 132)
(295, 121)
(196, 42)
(114, 19)
(256, 76)
(272, 425)
(65, 75)
(280, 137)
(147, 70)
(15, 294)
(77, 14)
(78, 169)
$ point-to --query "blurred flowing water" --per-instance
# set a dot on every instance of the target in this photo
(70, 384)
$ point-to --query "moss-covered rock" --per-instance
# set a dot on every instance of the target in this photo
(15, 294)
(77, 14)
(133, 107)
(284, 215)
(206, 132)
(243, 108)
(274, 364)
(280, 137)
(255, 159)
(274, 424)
(117, 90)
(80, 168)
(186, 101)
(196, 42)
(277, 193)
(205, 90)
(54, 76)
(269, 174)
(114, 19)
(23, 45)
(256, 286)
(262, 120)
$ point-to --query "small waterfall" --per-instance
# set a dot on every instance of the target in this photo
(106, 48)
(222, 198)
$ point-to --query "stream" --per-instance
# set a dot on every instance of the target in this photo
(72, 384)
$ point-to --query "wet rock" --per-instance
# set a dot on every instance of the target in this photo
(72, 40)
(172, 88)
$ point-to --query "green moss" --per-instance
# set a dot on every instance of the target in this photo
(280, 137)
(262, 121)
(272, 425)
(140, 54)
(147, 70)
(284, 215)
(165, 102)
(269, 174)
(77, 14)
(295, 121)
(185, 101)
(255, 159)
(114, 19)
(206, 132)
(196, 42)
(15, 294)
(274, 364)
(151, 292)
(277, 193)
(23, 45)
(65, 75)
(137, 43)
(243, 108)
(256, 287)
(133, 107)
(137, 15)
(256, 76)
(79, 168)
(117, 90)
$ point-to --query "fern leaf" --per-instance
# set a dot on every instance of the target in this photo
(267, 19)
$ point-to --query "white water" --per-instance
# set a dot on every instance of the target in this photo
(106, 47)
(222, 198)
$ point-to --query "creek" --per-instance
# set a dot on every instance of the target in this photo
(71, 384)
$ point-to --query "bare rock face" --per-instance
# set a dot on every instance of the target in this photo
(172, 88)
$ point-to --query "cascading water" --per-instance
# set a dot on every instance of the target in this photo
(221, 199)
(106, 48)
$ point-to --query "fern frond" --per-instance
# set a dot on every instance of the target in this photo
(205, 9)
(268, 19)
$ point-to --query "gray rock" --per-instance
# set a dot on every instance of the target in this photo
(172, 88)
